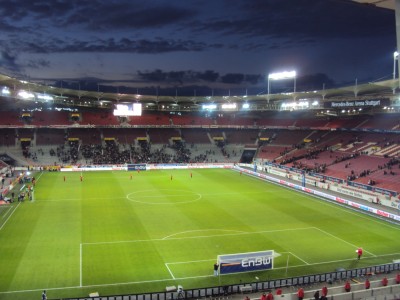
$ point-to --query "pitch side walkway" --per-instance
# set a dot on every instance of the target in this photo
(336, 290)
(357, 200)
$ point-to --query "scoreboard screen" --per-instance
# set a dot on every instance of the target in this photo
(126, 110)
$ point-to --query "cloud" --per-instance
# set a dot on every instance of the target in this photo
(38, 64)
(253, 79)
(114, 16)
(282, 19)
(189, 77)
(154, 76)
(97, 14)
(208, 76)
(9, 61)
(160, 27)
(167, 83)
(111, 45)
(234, 78)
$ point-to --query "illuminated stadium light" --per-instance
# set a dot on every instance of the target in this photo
(25, 95)
(228, 106)
(295, 105)
(246, 106)
(209, 106)
(45, 97)
(5, 91)
(282, 76)
(315, 103)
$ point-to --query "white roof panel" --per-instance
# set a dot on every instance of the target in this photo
(389, 4)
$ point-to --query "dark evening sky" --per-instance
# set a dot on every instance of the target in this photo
(221, 44)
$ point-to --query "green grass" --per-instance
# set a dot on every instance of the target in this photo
(115, 235)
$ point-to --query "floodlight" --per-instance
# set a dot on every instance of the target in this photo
(228, 106)
(209, 106)
(282, 75)
(45, 97)
(246, 106)
(5, 91)
(25, 95)
(395, 57)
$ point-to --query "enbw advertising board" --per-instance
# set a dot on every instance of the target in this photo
(246, 262)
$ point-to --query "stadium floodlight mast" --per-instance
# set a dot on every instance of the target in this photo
(282, 76)
(395, 57)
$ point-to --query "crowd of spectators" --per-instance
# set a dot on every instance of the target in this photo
(182, 153)
(113, 153)
(310, 154)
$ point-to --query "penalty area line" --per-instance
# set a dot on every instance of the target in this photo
(334, 236)
(5, 222)
(80, 264)
(299, 258)
(8, 209)
(169, 270)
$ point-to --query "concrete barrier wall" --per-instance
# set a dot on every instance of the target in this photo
(358, 291)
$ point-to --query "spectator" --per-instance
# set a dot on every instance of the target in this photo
(300, 294)
(316, 295)
(263, 297)
(367, 284)
(324, 291)
(398, 278)
(384, 281)
(270, 296)
(347, 286)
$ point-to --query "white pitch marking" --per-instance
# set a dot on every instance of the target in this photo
(169, 270)
(334, 236)
(200, 236)
(10, 216)
(8, 208)
(80, 264)
(199, 230)
(299, 258)
(190, 261)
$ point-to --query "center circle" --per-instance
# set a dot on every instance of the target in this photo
(163, 196)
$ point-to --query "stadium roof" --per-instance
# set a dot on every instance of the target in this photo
(389, 4)
(371, 90)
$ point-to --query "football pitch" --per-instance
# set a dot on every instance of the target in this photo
(127, 232)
